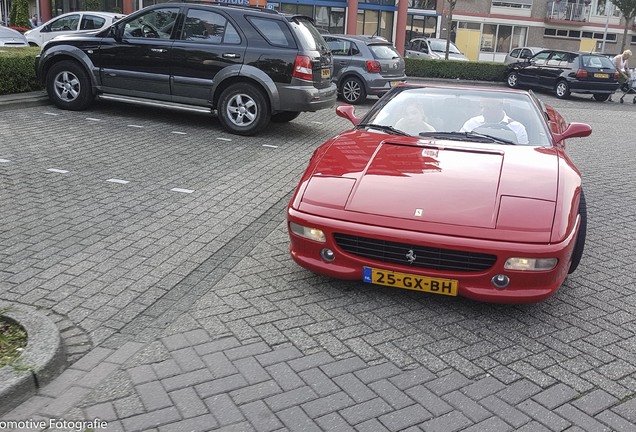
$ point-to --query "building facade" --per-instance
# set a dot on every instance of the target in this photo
(484, 30)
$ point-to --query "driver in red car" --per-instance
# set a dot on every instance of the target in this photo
(494, 116)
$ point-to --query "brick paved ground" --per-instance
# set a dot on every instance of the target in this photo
(183, 311)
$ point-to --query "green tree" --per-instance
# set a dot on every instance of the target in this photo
(19, 13)
(628, 9)
(92, 5)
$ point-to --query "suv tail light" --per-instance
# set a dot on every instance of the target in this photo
(302, 68)
(373, 66)
(581, 73)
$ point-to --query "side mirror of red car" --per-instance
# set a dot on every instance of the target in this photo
(574, 130)
(348, 112)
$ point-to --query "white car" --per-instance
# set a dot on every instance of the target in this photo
(71, 23)
(432, 48)
(11, 38)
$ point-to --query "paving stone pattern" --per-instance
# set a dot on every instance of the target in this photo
(184, 312)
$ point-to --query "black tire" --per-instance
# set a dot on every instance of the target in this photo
(243, 109)
(352, 91)
(580, 237)
(562, 89)
(68, 86)
(285, 116)
(512, 80)
(600, 97)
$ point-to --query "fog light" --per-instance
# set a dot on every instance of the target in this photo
(327, 255)
(500, 281)
(309, 233)
(530, 264)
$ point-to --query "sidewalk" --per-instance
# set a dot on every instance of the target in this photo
(200, 321)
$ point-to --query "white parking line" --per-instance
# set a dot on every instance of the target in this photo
(135, 126)
(179, 133)
(224, 139)
(269, 145)
(93, 119)
(55, 170)
(118, 181)
(50, 113)
(316, 122)
(188, 191)
(4, 160)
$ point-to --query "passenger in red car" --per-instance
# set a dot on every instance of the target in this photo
(494, 117)
(413, 120)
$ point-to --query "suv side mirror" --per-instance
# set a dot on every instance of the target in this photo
(117, 31)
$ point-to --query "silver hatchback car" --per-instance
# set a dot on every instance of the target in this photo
(364, 65)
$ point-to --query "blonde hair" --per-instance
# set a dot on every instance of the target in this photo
(628, 52)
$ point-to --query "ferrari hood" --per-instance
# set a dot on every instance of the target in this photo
(439, 183)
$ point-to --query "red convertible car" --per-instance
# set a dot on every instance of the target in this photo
(448, 190)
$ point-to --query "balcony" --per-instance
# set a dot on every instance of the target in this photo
(560, 11)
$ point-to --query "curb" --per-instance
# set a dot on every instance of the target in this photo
(24, 100)
(42, 360)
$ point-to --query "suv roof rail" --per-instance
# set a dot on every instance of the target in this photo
(226, 3)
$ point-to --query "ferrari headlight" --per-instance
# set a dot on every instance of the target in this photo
(309, 233)
(531, 264)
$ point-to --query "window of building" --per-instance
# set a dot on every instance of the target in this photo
(604, 8)
(577, 34)
(515, 4)
(502, 38)
(420, 26)
(423, 4)
(374, 22)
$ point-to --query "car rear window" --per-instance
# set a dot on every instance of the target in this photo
(274, 31)
(596, 61)
(309, 35)
(384, 52)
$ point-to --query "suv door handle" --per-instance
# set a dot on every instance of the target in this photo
(231, 55)
(158, 50)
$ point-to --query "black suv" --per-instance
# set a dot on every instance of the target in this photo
(250, 64)
(565, 72)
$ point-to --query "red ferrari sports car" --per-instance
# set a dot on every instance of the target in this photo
(448, 190)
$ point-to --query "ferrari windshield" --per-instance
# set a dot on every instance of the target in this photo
(461, 114)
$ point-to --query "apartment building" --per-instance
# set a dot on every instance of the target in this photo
(484, 30)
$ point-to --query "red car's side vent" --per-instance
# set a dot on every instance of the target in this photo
(426, 257)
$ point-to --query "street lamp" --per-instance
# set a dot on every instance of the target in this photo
(609, 6)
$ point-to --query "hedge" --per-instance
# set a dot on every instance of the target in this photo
(453, 69)
(17, 73)
(17, 70)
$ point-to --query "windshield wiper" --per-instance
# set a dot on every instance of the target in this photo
(385, 128)
(466, 136)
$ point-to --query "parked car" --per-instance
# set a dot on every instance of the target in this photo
(11, 38)
(364, 65)
(71, 23)
(249, 65)
(564, 73)
(432, 48)
(521, 53)
(445, 211)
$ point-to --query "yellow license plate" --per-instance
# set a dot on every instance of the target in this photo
(601, 75)
(395, 83)
(409, 281)
(326, 73)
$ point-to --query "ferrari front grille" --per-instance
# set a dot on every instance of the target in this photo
(415, 256)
